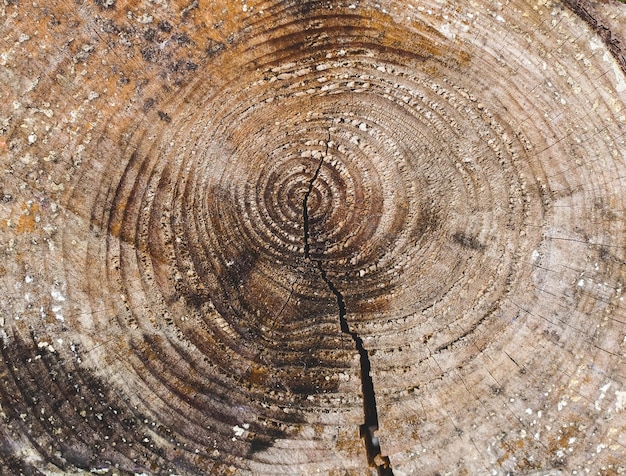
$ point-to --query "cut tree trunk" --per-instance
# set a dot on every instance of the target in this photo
(312, 237)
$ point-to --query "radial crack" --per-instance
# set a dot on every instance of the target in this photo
(370, 425)
(305, 203)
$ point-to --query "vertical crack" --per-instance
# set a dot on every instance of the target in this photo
(370, 425)
(305, 207)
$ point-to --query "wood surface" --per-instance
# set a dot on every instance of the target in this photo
(312, 237)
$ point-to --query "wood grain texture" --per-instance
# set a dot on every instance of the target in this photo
(312, 237)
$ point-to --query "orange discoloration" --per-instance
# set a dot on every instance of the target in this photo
(258, 375)
(518, 450)
(26, 222)
(115, 225)
(115, 228)
(562, 441)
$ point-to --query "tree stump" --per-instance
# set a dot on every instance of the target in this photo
(312, 237)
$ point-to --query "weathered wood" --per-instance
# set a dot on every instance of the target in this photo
(294, 237)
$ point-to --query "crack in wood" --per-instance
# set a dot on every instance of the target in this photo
(305, 207)
(370, 411)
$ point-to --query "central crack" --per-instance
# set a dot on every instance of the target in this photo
(370, 425)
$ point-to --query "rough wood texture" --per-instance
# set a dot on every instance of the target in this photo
(297, 237)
